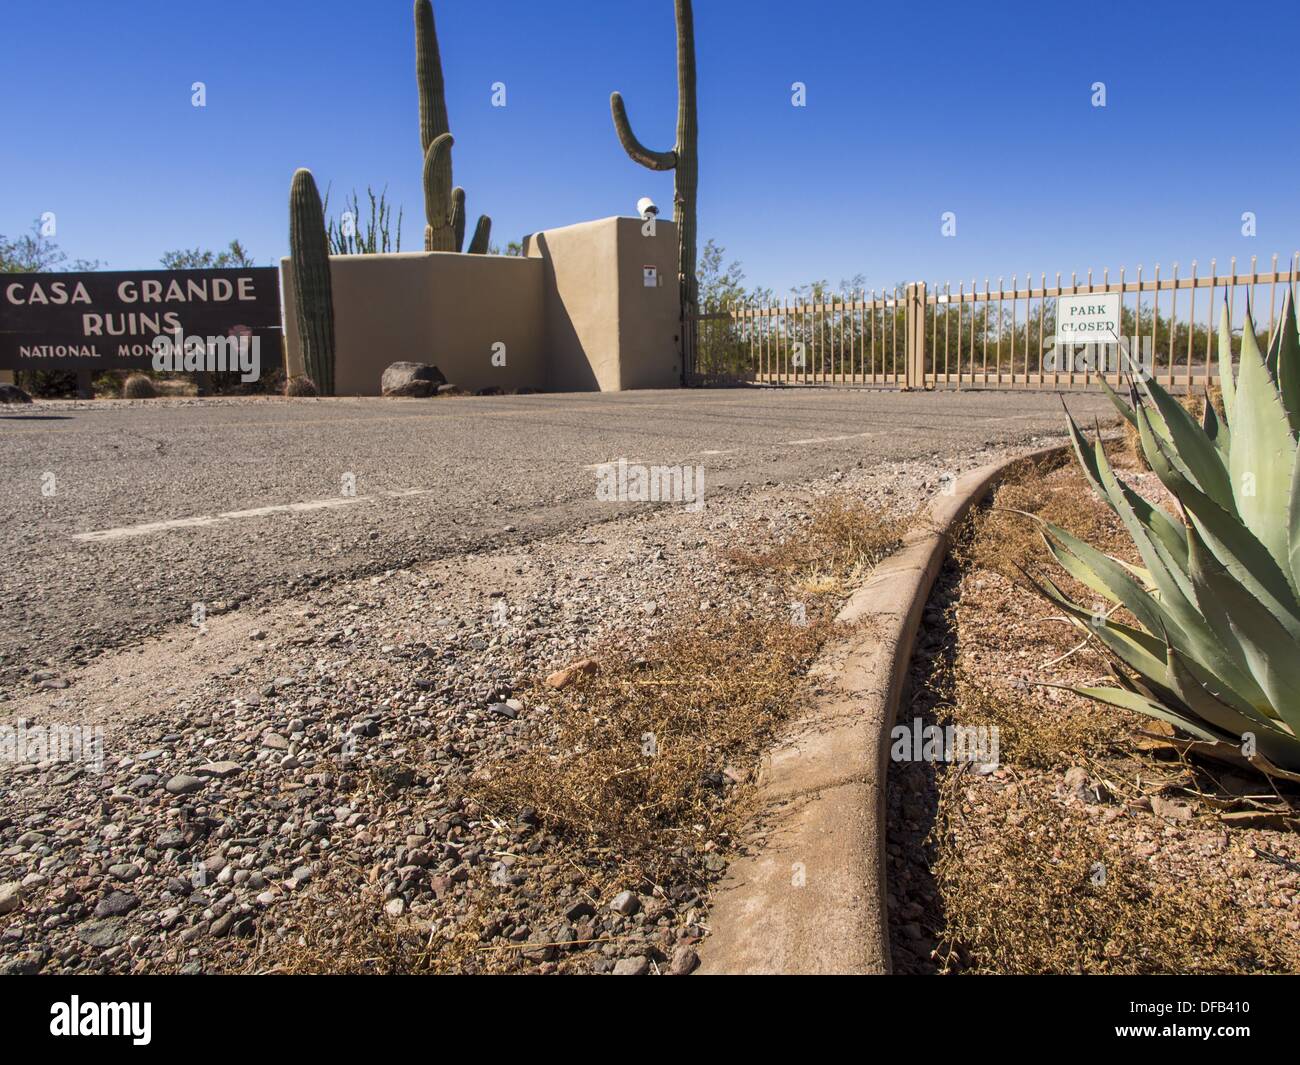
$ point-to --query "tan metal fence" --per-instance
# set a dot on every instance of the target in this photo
(989, 335)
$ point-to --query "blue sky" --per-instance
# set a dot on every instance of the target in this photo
(913, 110)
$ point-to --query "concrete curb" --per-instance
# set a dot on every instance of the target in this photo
(813, 897)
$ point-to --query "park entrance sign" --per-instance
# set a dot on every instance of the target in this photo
(112, 319)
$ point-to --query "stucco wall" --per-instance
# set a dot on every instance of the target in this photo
(605, 329)
(434, 307)
(573, 312)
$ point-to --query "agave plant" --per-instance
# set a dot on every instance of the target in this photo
(1216, 646)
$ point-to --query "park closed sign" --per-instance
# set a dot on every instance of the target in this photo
(1090, 319)
(110, 319)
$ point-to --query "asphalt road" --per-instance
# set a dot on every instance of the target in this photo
(117, 518)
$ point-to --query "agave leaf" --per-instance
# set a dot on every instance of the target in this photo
(1209, 705)
(1269, 650)
(1161, 543)
(1284, 353)
(1155, 443)
(1133, 701)
(1125, 409)
(1226, 383)
(1211, 662)
(1141, 573)
(1232, 665)
(1103, 574)
(1263, 452)
(1191, 443)
(1231, 542)
(1293, 525)
(1270, 768)
(1139, 650)
(1216, 429)
(1163, 529)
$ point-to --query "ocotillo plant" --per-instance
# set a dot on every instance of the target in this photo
(682, 158)
(313, 297)
(444, 206)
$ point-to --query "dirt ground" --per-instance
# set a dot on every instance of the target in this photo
(1093, 847)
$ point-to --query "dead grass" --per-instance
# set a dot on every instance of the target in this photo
(1002, 541)
(1045, 889)
(646, 751)
(844, 538)
(1031, 733)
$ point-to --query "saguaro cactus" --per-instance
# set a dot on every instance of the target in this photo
(439, 201)
(313, 297)
(428, 73)
(444, 206)
(682, 158)
(478, 243)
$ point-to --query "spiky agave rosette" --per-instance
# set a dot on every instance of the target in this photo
(1216, 648)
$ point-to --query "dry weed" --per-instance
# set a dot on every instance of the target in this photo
(844, 538)
(645, 751)
(1044, 890)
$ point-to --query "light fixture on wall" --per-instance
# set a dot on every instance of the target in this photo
(645, 207)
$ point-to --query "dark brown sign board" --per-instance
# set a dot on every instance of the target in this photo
(109, 319)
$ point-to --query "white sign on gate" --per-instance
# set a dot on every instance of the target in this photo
(1090, 319)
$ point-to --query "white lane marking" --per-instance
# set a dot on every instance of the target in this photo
(127, 531)
(734, 450)
(828, 439)
(612, 462)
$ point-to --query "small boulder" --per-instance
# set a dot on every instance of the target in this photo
(11, 897)
(626, 903)
(416, 379)
(13, 394)
(562, 678)
(684, 962)
(637, 966)
(220, 770)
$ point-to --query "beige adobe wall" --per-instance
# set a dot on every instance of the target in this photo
(574, 312)
(434, 307)
(604, 329)
(649, 318)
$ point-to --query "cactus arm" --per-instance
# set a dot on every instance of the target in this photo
(313, 296)
(428, 74)
(482, 235)
(458, 218)
(637, 151)
(439, 232)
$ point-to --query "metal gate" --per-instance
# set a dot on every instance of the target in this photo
(992, 335)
